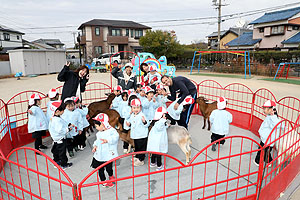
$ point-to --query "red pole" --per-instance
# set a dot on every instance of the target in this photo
(287, 73)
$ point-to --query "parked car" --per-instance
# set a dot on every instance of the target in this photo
(104, 59)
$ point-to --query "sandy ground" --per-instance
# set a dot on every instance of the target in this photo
(43, 83)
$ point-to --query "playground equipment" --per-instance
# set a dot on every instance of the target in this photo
(245, 54)
(283, 65)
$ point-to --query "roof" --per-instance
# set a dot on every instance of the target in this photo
(233, 30)
(244, 40)
(292, 40)
(4, 28)
(49, 41)
(114, 23)
(277, 16)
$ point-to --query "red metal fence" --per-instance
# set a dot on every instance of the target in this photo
(227, 174)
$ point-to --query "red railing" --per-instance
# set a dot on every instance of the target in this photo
(227, 173)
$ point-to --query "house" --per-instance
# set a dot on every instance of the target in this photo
(226, 36)
(100, 36)
(9, 39)
(274, 30)
(45, 43)
(245, 42)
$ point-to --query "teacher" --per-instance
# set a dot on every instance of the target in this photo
(184, 87)
(75, 81)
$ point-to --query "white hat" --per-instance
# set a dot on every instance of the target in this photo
(130, 92)
(188, 100)
(152, 68)
(68, 99)
(52, 93)
(221, 103)
(159, 112)
(103, 118)
(135, 102)
(54, 105)
(269, 104)
(128, 65)
(148, 89)
(117, 87)
(159, 86)
(33, 97)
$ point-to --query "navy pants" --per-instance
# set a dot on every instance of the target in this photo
(186, 114)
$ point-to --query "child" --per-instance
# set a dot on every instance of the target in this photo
(126, 112)
(161, 96)
(53, 95)
(149, 104)
(220, 120)
(117, 99)
(153, 77)
(138, 87)
(37, 121)
(158, 138)
(105, 147)
(265, 129)
(122, 105)
(174, 115)
(139, 130)
(142, 94)
(81, 138)
(58, 129)
(71, 116)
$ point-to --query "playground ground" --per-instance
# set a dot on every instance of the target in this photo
(11, 86)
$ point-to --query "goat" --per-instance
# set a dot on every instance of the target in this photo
(206, 109)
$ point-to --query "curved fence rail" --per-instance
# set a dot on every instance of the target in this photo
(227, 173)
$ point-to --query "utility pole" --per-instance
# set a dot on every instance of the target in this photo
(219, 6)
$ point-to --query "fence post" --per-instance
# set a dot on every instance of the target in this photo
(75, 192)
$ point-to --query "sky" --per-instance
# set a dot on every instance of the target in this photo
(24, 15)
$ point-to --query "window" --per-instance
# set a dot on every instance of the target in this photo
(6, 36)
(98, 50)
(131, 30)
(116, 32)
(277, 30)
(83, 31)
(138, 33)
(112, 49)
(127, 32)
(261, 30)
(295, 27)
(97, 31)
(18, 37)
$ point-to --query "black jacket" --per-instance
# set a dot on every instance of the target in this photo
(71, 80)
(182, 85)
(131, 84)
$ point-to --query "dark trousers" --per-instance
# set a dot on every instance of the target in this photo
(59, 152)
(155, 158)
(125, 144)
(186, 114)
(108, 168)
(140, 145)
(69, 144)
(267, 158)
(215, 137)
(82, 138)
(37, 135)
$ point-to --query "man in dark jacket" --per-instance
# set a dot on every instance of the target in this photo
(126, 79)
(184, 87)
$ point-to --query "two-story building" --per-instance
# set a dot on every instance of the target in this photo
(100, 36)
(55, 43)
(9, 39)
(274, 30)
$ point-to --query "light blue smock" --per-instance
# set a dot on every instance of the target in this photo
(149, 108)
(162, 100)
(84, 111)
(126, 115)
(175, 114)
(122, 105)
(58, 128)
(37, 121)
(267, 126)
(73, 117)
(138, 128)
(158, 137)
(220, 120)
(116, 102)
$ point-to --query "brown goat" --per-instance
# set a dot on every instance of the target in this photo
(206, 109)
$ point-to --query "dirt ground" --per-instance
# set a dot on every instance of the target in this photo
(11, 86)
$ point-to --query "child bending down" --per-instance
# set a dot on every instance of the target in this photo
(105, 148)
(220, 120)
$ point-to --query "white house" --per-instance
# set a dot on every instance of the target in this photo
(9, 39)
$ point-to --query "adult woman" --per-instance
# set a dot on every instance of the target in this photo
(75, 81)
(144, 68)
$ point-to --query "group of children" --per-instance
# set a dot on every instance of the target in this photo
(64, 120)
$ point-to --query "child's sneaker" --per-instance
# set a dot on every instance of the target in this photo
(137, 163)
(160, 168)
(108, 185)
(58, 163)
(81, 147)
(213, 147)
(112, 178)
(68, 165)
(71, 154)
(76, 149)
(153, 165)
(125, 150)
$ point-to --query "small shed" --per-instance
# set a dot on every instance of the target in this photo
(36, 61)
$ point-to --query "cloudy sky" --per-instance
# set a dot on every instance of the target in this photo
(29, 16)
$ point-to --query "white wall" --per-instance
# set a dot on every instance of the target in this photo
(13, 42)
(4, 68)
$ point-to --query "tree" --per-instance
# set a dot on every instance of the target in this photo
(161, 43)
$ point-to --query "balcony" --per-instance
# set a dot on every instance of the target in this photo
(117, 39)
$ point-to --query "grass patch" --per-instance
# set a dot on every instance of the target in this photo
(289, 81)
(224, 75)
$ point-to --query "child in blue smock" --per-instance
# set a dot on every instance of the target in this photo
(80, 139)
(149, 105)
(123, 104)
(158, 137)
(265, 129)
(161, 96)
(53, 96)
(58, 129)
(153, 77)
(139, 130)
(105, 148)
(71, 116)
(37, 121)
(115, 103)
(220, 120)
(174, 115)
